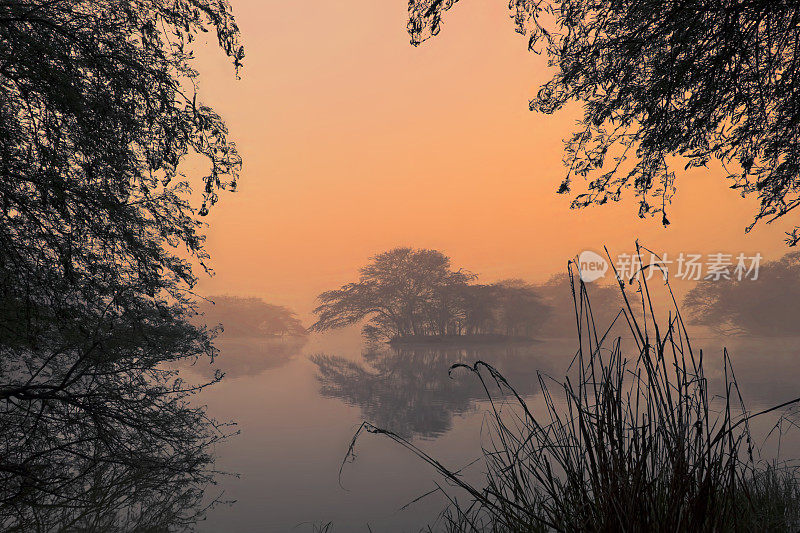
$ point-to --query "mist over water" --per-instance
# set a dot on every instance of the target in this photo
(298, 404)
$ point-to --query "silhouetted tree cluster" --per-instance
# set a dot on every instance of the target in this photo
(98, 110)
(250, 317)
(767, 306)
(697, 79)
(414, 293)
(512, 308)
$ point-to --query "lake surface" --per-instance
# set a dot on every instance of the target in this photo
(298, 405)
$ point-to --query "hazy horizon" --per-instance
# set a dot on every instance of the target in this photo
(355, 142)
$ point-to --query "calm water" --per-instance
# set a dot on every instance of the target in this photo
(298, 405)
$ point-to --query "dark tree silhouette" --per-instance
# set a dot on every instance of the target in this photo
(767, 306)
(521, 312)
(701, 80)
(413, 294)
(401, 292)
(98, 110)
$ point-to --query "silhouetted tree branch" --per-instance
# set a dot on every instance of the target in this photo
(700, 80)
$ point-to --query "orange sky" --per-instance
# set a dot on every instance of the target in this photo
(355, 142)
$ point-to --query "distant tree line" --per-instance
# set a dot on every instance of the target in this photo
(765, 307)
(250, 317)
(414, 293)
(254, 336)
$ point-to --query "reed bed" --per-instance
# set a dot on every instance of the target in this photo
(622, 443)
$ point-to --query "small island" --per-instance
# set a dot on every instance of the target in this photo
(410, 296)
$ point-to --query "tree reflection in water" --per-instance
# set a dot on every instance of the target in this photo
(96, 433)
(408, 390)
(249, 357)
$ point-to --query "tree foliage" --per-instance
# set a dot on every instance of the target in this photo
(414, 293)
(98, 231)
(700, 80)
(98, 110)
(557, 294)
